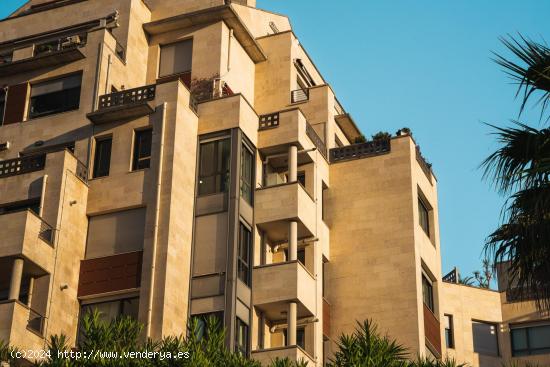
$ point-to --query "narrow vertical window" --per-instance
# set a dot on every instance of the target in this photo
(243, 260)
(102, 157)
(2, 104)
(247, 174)
(241, 337)
(449, 331)
(428, 293)
(142, 149)
(324, 202)
(424, 216)
(214, 163)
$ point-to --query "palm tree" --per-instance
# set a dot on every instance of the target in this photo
(520, 170)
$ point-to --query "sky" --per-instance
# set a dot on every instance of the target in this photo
(425, 65)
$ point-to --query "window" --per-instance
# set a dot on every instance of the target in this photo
(424, 216)
(55, 96)
(301, 178)
(301, 254)
(142, 149)
(214, 167)
(247, 174)
(2, 104)
(530, 340)
(449, 331)
(243, 261)
(428, 293)
(300, 336)
(204, 319)
(324, 201)
(102, 158)
(241, 337)
(485, 338)
(176, 58)
(110, 310)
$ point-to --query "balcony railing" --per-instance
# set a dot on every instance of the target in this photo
(46, 232)
(36, 322)
(299, 95)
(317, 141)
(127, 97)
(82, 171)
(362, 150)
(59, 44)
(19, 166)
(424, 165)
(432, 331)
(269, 121)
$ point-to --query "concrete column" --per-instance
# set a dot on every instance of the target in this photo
(292, 241)
(30, 292)
(292, 163)
(16, 275)
(292, 323)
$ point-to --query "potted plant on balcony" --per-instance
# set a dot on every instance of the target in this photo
(381, 135)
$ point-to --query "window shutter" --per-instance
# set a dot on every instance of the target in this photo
(15, 103)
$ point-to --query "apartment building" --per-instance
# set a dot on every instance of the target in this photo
(492, 328)
(170, 159)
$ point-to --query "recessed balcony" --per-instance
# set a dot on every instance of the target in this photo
(277, 205)
(21, 326)
(275, 285)
(293, 353)
(27, 235)
(42, 55)
(22, 165)
(124, 105)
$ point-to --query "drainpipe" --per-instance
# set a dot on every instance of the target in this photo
(156, 225)
(229, 49)
(42, 196)
(108, 73)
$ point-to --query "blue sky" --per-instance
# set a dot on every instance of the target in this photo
(425, 65)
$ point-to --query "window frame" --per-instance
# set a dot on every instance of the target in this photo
(427, 281)
(239, 348)
(528, 351)
(244, 265)
(30, 99)
(224, 175)
(97, 141)
(243, 180)
(136, 159)
(491, 324)
(449, 332)
(423, 207)
(161, 46)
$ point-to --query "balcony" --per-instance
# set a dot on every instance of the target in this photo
(21, 326)
(278, 130)
(358, 151)
(27, 235)
(432, 332)
(276, 205)
(42, 55)
(275, 285)
(294, 353)
(20, 166)
(124, 105)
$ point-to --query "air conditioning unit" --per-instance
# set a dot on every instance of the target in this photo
(4, 146)
(71, 41)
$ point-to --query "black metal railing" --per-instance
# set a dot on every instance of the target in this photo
(452, 276)
(35, 322)
(60, 44)
(362, 150)
(46, 232)
(424, 165)
(193, 104)
(269, 121)
(299, 95)
(19, 166)
(317, 141)
(127, 97)
(81, 171)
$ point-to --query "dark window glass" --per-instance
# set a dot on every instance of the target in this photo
(202, 321)
(449, 331)
(241, 338)
(102, 158)
(247, 174)
(428, 293)
(109, 311)
(531, 340)
(243, 266)
(55, 96)
(485, 338)
(142, 149)
(301, 177)
(424, 216)
(301, 254)
(2, 104)
(214, 167)
(300, 336)
(33, 205)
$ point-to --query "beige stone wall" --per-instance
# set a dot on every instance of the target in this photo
(465, 304)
